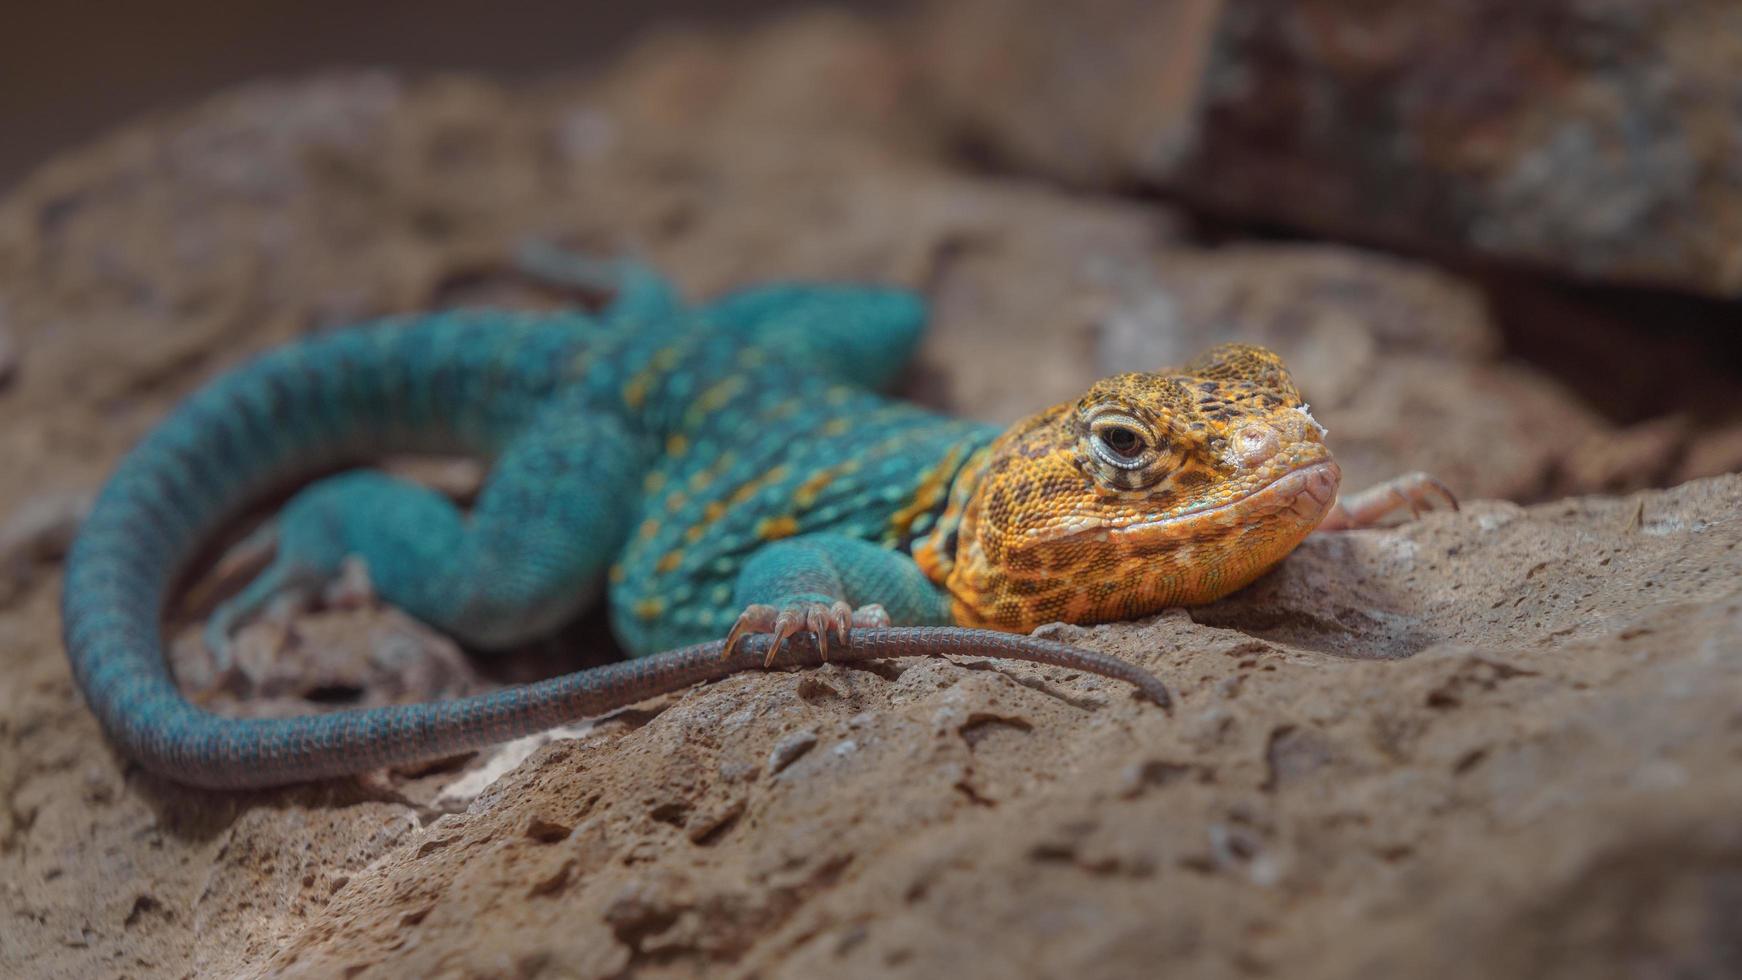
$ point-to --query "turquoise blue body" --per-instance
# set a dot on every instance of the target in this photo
(682, 461)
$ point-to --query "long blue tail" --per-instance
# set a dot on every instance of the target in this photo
(452, 382)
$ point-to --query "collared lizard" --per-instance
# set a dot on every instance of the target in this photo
(727, 468)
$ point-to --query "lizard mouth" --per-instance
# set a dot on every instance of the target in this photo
(1304, 494)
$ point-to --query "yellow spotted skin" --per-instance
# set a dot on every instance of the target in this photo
(1228, 473)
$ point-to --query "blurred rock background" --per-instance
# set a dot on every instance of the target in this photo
(1500, 242)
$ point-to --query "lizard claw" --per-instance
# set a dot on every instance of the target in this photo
(825, 621)
(756, 618)
(789, 621)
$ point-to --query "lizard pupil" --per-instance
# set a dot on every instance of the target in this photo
(1123, 441)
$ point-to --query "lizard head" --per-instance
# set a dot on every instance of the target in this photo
(1152, 490)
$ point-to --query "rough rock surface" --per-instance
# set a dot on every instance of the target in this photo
(1594, 137)
(1502, 742)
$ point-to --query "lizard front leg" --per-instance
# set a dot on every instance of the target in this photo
(1415, 492)
(827, 584)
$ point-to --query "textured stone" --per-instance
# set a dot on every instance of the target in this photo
(1595, 137)
(37, 534)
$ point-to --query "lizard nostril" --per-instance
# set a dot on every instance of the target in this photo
(1255, 444)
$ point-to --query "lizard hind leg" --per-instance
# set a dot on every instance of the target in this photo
(638, 292)
(311, 540)
(528, 557)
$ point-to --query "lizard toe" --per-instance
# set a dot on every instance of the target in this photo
(872, 616)
(790, 620)
(756, 618)
(839, 623)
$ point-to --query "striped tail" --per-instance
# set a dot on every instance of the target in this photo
(446, 383)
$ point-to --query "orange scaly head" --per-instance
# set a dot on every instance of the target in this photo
(1152, 490)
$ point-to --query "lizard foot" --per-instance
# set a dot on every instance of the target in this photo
(1415, 492)
(818, 618)
(271, 596)
(285, 588)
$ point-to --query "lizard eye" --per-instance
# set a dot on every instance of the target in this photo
(1123, 441)
(1120, 443)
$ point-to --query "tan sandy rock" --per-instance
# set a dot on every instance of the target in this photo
(1502, 742)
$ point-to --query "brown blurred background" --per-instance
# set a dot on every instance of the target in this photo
(1575, 162)
(69, 71)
